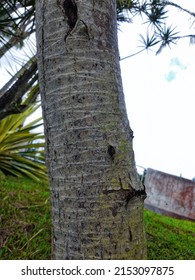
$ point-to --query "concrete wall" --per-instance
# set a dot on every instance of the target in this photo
(169, 194)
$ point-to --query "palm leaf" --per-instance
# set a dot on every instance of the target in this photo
(21, 149)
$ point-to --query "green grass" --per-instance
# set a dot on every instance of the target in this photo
(24, 220)
(169, 238)
(25, 226)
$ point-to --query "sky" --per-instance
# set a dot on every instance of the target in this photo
(160, 99)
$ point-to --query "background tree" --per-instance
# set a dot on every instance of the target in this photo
(17, 24)
(21, 148)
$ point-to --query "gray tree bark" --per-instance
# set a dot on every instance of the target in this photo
(96, 198)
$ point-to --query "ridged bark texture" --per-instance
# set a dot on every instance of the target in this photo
(96, 198)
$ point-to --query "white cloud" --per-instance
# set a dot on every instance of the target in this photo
(175, 61)
(171, 76)
(175, 66)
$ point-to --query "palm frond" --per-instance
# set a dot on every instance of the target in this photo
(21, 149)
(149, 41)
(168, 36)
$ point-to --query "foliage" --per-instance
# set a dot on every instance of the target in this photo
(25, 226)
(21, 149)
(154, 14)
(17, 20)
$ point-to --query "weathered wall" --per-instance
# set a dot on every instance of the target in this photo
(169, 194)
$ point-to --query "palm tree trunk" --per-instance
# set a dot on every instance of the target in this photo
(96, 198)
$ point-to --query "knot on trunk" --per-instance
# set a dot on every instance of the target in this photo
(111, 151)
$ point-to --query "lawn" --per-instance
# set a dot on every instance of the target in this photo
(24, 220)
(25, 226)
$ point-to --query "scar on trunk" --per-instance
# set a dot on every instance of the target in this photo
(70, 10)
(130, 235)
(111, 151)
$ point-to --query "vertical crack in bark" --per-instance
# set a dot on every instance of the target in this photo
(70, 10)
(120, 183)
(130, 235)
